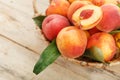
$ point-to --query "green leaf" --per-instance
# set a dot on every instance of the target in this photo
(48, 56)
(38, 20)
(118, 5)
(94, 53)
(114, 31)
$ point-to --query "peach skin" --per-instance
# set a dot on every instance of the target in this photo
(105, 42)
(71, 42)
(58, 7)
(111, 18)
(52, 24)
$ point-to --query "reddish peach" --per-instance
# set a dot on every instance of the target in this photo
(111, 18)
(71, 42)
(52, 24)
(105, 42)
(93, 31)
(58, 7)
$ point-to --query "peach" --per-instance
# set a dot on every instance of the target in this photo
(52, 24)
(71, 42)
(71, 1)
(117, 39)
(87, 33)
(111, 18)
(74, 6)
(87, 16)
(105, 42)
(102, 2)
(98, 2)
(93, 31)
(58, 7)
(111, 2)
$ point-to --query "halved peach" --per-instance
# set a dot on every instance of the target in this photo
(74, 6)
(87, 16)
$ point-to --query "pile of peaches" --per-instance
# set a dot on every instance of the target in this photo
(80, 25)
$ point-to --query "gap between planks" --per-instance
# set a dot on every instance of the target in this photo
(18, 44)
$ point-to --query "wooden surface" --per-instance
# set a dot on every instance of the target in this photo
(21, 43)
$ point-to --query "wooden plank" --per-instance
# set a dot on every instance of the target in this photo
(26, 5)
(91, 73)
(58, 73)
(16, 63)
(21, 5)
(20, 28)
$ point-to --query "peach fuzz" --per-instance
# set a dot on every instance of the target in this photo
(111, 2)
(93, 31)
(74, 6)
(117, 39)
(58, 7)
(105, 42)
(87, 16)
(102, 2)
(52, 24)
(98, 2)
(87, 33)
(111, 18)
(71, 42)
(71, 1)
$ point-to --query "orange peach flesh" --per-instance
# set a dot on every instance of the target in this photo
(90, 22)
(74, 6)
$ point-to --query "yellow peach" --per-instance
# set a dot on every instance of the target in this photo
(105, 42)
(58, 7)
(71, 42)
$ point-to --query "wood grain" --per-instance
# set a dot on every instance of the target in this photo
(21, 43)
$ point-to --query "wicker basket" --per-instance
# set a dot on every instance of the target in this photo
(81, 61)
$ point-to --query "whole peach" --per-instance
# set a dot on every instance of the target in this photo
(52, 24)
(71, 42)
(111, 18)
(58, 7)
(105, 42)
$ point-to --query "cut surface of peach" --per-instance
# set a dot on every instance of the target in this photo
(94, 15)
